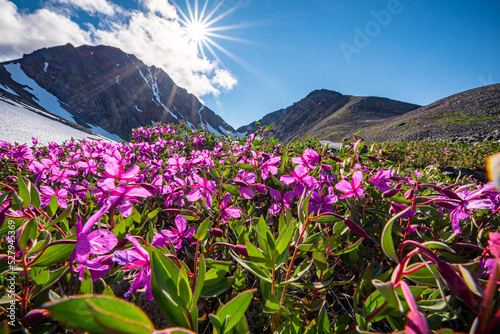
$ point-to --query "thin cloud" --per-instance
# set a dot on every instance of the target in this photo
(92, 6)
(154, 35)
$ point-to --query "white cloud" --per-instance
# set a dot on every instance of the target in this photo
(156, 39)
(92, 6)
(224, 79)
(23, 33)
(160, 6)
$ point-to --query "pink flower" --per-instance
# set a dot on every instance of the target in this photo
(353, 188)
(228, 212)
(47, 193)
(380, 180)
(177, 235)
(202, 189)
(136, 258)
(281, 201)
(300, 179)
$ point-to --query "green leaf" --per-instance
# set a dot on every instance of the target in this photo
(17, 202)
(53, 278)
(164, 280)
(272, 305)
(214, 172)
(423, 275)
(4, 327)
(117, 313)
(214, 290)
(24, 192)
(136, 322)
(430, 212)
(35, 196)
(259, 257)
(438, 245)
(29, 232)
(323, 321)
(43, 239)
(62, 216)
(108, 291)
(52, 207)
(320, 285)
(235, 309)
(41, 278)
(200, 281)
(55, 253)
(387, 291)
(252, 267)
(320, 246)
(471, 281)
(153, 213)
(86, 284)
(387, 242)
(265, 237)
(283, 241)
(231, 189)
(215, 264)
(201, 232)
(349, 248)
(246, 166)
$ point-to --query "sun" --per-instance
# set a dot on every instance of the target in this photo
(200, 26)
(196, 31)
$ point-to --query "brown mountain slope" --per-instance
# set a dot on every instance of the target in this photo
(473, 112)
(329, 115)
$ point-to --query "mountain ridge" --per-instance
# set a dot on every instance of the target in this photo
(328, 114)
(104, 88)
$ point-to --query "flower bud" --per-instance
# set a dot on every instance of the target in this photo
(34, 317)
(216, 232)
(11, 179)
(240, 249)
(390, 193)
(409, 194)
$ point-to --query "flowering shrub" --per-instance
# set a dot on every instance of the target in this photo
(231, 236)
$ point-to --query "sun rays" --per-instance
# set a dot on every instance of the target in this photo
(199, 24)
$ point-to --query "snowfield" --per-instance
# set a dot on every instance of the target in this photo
(19, 124)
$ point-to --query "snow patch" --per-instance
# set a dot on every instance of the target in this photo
(45, 65)
(19, 124)
(7, 89)
(117, 77)
(104, 133)
(117, 65)
(240, 134)
(153, 123)
(212, 129)
(46, 100)
(139, 110)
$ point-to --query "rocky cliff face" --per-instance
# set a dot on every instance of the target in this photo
(329, 115)
(103, 88)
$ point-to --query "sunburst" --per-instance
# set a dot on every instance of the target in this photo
(201, 29)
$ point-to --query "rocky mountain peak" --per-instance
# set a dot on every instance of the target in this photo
(106, 90)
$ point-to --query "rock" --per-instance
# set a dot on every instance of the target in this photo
(455, 172)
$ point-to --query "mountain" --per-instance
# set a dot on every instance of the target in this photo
(469, 116)
(328, 115)
(104, 90)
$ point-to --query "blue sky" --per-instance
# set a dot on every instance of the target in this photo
(410, 50)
